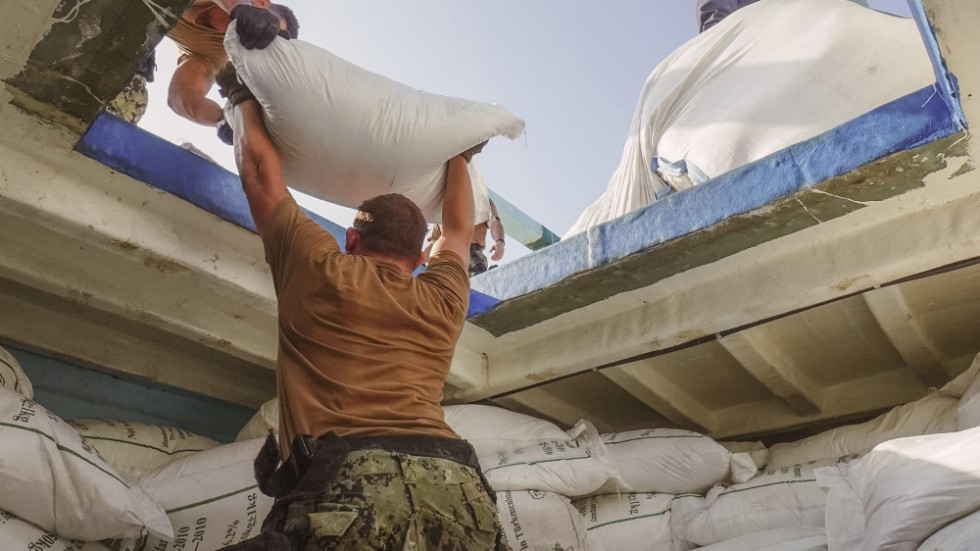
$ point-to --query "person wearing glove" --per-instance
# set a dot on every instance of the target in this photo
(364, 352)
(200, 35)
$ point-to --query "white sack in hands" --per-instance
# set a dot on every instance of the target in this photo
(134, 449)
(12, 375)
(757, 451)
(51, 478)
(492, 430)
(932, 414)
(912, 487)
(672, 461)
(968, 411)
(211, 498)
(770, 75)
(778, 498)
(781, 539)
(18, 535)
(629, 521)
(346, 134)
(575, 466)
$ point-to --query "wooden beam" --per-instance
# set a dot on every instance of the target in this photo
(647, 384)
(906, 334)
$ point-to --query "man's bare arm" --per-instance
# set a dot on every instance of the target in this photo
(457, 211)
(188, 92)
(497, 234)
(259, 165)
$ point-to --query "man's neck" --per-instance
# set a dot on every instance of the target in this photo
(401, 264)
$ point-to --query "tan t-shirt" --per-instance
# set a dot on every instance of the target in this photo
(364, 348)
(196, 39)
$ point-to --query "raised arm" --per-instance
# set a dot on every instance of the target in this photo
(457, 212)
(188, 92)
(259, 165)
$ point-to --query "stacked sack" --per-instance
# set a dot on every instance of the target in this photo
(848, 483)
(58, 493)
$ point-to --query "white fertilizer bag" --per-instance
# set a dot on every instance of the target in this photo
(12, 376)
(778, 498)
(265, 419)
(671, 461)
(533, 520)
(782, 539)
(211, 497)
(575, 466)
(628, 521)
(844, 518)
(912, 487)
(346, 134)
(17, 535)
(757, 451)
(51, 478)
(493, 430)
(932, 414)
(770, 75)
(134, 449)
(962, 535)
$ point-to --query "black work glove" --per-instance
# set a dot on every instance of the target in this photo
(225, 133)
(256, 27)
(230, 87)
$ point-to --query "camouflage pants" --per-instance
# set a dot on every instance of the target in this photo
(131, 103)
(478, 260)
(397, 502)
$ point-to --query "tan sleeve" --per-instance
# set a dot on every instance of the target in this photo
(446, 272)
(291, 239)
(204, 44)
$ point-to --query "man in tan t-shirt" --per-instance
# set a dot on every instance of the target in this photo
(364, 352)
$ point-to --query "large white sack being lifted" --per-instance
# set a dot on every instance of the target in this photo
(770, 75)
(346, 134)
(12, 376)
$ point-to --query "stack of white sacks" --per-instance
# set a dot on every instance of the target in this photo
(907, 480)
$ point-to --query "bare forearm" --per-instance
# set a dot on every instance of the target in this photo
(496, 230)
(259, 165)
(457, 210)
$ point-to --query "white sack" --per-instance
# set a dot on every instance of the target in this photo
(683, 510)
(265, 419)
(912, 487)
(757, 451)
(211, 498)
(670, 461)
(628, 521)
(18, 535)
(346, 134)
(962, 535)
(12, 375)
(134, 449)
(540, 521)
(782, 539)
(570, 467)
(492, 430)
(932, 414)
(778, 498)
(968, 411)
(50, 477)
(770, 75)
(844, 518)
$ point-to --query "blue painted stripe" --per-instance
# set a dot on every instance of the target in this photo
(909, 122)
(163, 165)
(945, 80)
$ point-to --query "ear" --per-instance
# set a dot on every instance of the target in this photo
(353, 240)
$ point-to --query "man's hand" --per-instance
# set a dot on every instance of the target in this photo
(497, 250)
(230, 87)
(469, 153)
(256, 27)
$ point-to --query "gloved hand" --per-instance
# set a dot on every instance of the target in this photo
(256, 27)
(225, 133)
(230, 87)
